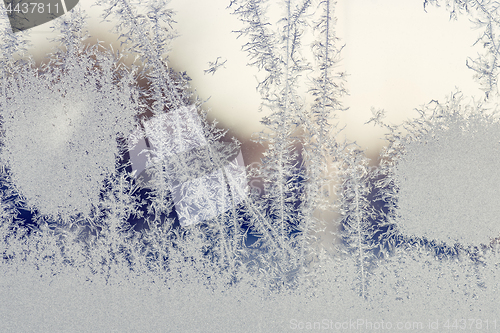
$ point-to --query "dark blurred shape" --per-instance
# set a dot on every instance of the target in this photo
(26, 14)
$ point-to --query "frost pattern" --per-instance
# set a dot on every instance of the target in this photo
(198, 188)
(123, 208)
(484, 15)
(64, 124)
(448, 177)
